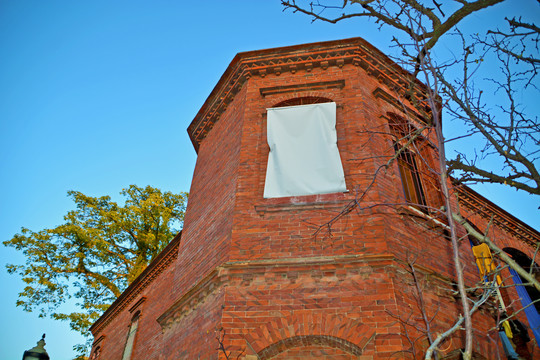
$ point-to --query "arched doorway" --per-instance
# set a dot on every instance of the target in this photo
(529, 295)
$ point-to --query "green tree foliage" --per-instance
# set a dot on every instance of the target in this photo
(96, 253)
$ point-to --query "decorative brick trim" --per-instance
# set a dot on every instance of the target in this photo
(307, 261)
(399, 105)
(98, 341)
(278, 99)
(308, 202)
(338, 326)
(324, 55)
(137, 304)
(152, 271)
(321, 85)
(478, 204)
(306, 340)
(458, 354)
(320, 328)
(428, 221)
(190, 300)
(220, 275)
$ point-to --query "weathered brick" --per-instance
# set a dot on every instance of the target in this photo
(255, 267)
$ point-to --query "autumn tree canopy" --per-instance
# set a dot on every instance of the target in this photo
(101, 247)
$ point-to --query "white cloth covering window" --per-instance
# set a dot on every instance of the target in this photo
(304, 157)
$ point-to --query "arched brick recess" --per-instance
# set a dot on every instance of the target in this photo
(281, 99)
(307, 340)
(310, 329)
(315, 352)
(305, 100)
(457, 355)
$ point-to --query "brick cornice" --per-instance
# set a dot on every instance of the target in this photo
(191, 299)
(224, 273)
(319, 85)
(401, 106)
(98, 341)
(334, 330)
(152, 271)
(481, 206)
(355, 51)
(307, 261)
(220, 275)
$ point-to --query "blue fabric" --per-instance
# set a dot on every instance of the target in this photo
(508, 349)
(530, 310)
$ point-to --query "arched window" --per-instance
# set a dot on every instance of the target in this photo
(305, 100)
(529, 295)
(530, 266)
(304, 158)
(414, 159)
(128, 348)
(95, 354)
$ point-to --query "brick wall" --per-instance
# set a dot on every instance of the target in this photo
(280, 286)
(151, 301)
(209, 215)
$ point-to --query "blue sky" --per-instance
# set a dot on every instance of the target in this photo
(97, 95)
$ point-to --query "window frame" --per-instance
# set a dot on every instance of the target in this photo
(96, 353)
(412, 174)
(298, 102)
(131, 336)
(411, 180)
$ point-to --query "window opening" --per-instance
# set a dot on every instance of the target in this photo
(529, 295)
(131, 337)
(528, 265)
(95, 355)
(304, 158)
(410, 177)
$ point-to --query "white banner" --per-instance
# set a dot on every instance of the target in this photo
(304, 157)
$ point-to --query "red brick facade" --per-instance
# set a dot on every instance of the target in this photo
(257, 268)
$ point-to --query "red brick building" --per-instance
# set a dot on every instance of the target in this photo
(252, 260)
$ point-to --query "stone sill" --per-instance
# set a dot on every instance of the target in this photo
(306, 202)
(427, 218)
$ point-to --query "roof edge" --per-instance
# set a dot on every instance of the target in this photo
(502, 218)
(304, 57)
(156, 267)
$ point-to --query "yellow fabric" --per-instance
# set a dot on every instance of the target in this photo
(507, 329)
(484, 261)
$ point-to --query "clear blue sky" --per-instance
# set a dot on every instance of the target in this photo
(97, 95)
